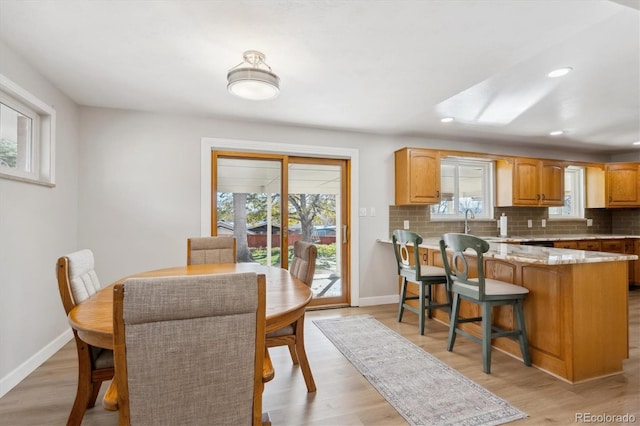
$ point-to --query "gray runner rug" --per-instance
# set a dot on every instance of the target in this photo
(423, 389)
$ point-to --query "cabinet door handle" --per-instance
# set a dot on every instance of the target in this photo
(543, 197)
(537, 197)
(437, 194)
(610, 198)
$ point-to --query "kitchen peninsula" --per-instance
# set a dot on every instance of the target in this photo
(576, 311)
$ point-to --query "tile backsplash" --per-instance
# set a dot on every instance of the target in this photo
(605, 221)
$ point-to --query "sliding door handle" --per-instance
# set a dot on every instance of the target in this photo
(344, 234)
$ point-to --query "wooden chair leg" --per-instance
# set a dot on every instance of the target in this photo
(302, 356)
(95, 390)
(428, 299)
(453, 321)
(403, 295)
(524, 344)
(292, 352)
(82, 401)
(486, 337)
(421, 309)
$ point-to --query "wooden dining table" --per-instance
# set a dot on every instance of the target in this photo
(287, 298)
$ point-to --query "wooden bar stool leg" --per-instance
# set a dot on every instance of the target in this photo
(403, 296)
(421, 310)
(453, 322)
(524, 344)
(486, 338)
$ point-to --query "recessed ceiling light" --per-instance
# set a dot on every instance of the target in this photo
(559, 72)
(557, 133)
(447, 119)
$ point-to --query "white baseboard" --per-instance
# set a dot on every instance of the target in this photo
(12, 379)
(379, 300)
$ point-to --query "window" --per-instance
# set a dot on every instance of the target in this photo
(573, 195)
(26, 136)
(464, 184)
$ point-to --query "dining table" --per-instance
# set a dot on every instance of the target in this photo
(286, 301)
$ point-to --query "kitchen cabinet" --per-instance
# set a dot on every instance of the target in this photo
(573, 245)
(591, 245)
(622, 185)
(417, 176)
(529, 182)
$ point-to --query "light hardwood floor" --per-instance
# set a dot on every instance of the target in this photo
(344, 397)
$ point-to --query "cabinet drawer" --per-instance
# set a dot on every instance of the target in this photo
(566, 244)
(589, 245)
(613, 246)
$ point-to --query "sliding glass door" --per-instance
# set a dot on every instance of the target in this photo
(249, 192)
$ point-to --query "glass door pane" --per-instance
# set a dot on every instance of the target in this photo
(249, 207)
(316, 214)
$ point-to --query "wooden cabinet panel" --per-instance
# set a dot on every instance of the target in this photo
(551, 183)
(593, 245)
(529, 182)
(417, 176)
(573, 245)
(622, 184)
(613, 246)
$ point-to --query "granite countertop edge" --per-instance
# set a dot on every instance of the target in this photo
(540, 255)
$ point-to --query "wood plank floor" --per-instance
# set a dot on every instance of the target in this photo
(344, 397)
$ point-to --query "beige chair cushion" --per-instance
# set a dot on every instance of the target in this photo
(190, 348)
(303, 263)
(496, 288)
(428, 270)
(208, 250)
(83, 279)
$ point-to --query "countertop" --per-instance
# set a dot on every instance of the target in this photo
(540, 255)
(572, 237)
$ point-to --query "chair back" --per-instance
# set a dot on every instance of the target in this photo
(458, 269)
(401, 240)
(190, 349)
(208, 250)
(77, 280)
(303, 262)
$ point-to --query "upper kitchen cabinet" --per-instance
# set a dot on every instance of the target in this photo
(622, 185)
(417, 176)
(529, 182)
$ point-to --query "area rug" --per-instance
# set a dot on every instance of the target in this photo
(423, 389)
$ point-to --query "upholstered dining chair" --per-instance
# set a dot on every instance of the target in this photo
(303, 266)
(202, 250)
(482, 291)
(209, 362)
(425, 276)
(77, 281)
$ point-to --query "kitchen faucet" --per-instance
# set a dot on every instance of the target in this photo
(467, 228)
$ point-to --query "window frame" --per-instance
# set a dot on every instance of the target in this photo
(43, 116)
(488, 166)
(578, 204)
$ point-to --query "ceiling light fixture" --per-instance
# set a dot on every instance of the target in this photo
(557, 132)
(253, 78)
(636, 143)
(447, 119)
(559, 72)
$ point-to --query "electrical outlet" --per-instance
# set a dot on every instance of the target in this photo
(589, 222)
(372, 211)
(544, 223)
(406, 224)
(529, 223)
(363, 211)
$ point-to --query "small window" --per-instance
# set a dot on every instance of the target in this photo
(464, 184)
(26, 136)
(573, 195)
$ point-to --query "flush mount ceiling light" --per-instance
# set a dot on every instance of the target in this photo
(559, 72)
(446, 119)
(636, 143)
(557, 132)
(253, 78)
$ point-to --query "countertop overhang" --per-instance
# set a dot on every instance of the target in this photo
(500, 249)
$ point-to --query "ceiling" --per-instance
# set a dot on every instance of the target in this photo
(391, 67)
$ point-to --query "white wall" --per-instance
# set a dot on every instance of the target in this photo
(37, 225)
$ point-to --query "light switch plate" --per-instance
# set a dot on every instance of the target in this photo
(529, 223)
(372, 212)
(544, 223)
(363, 211)
(406, 224)
(589, 222)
